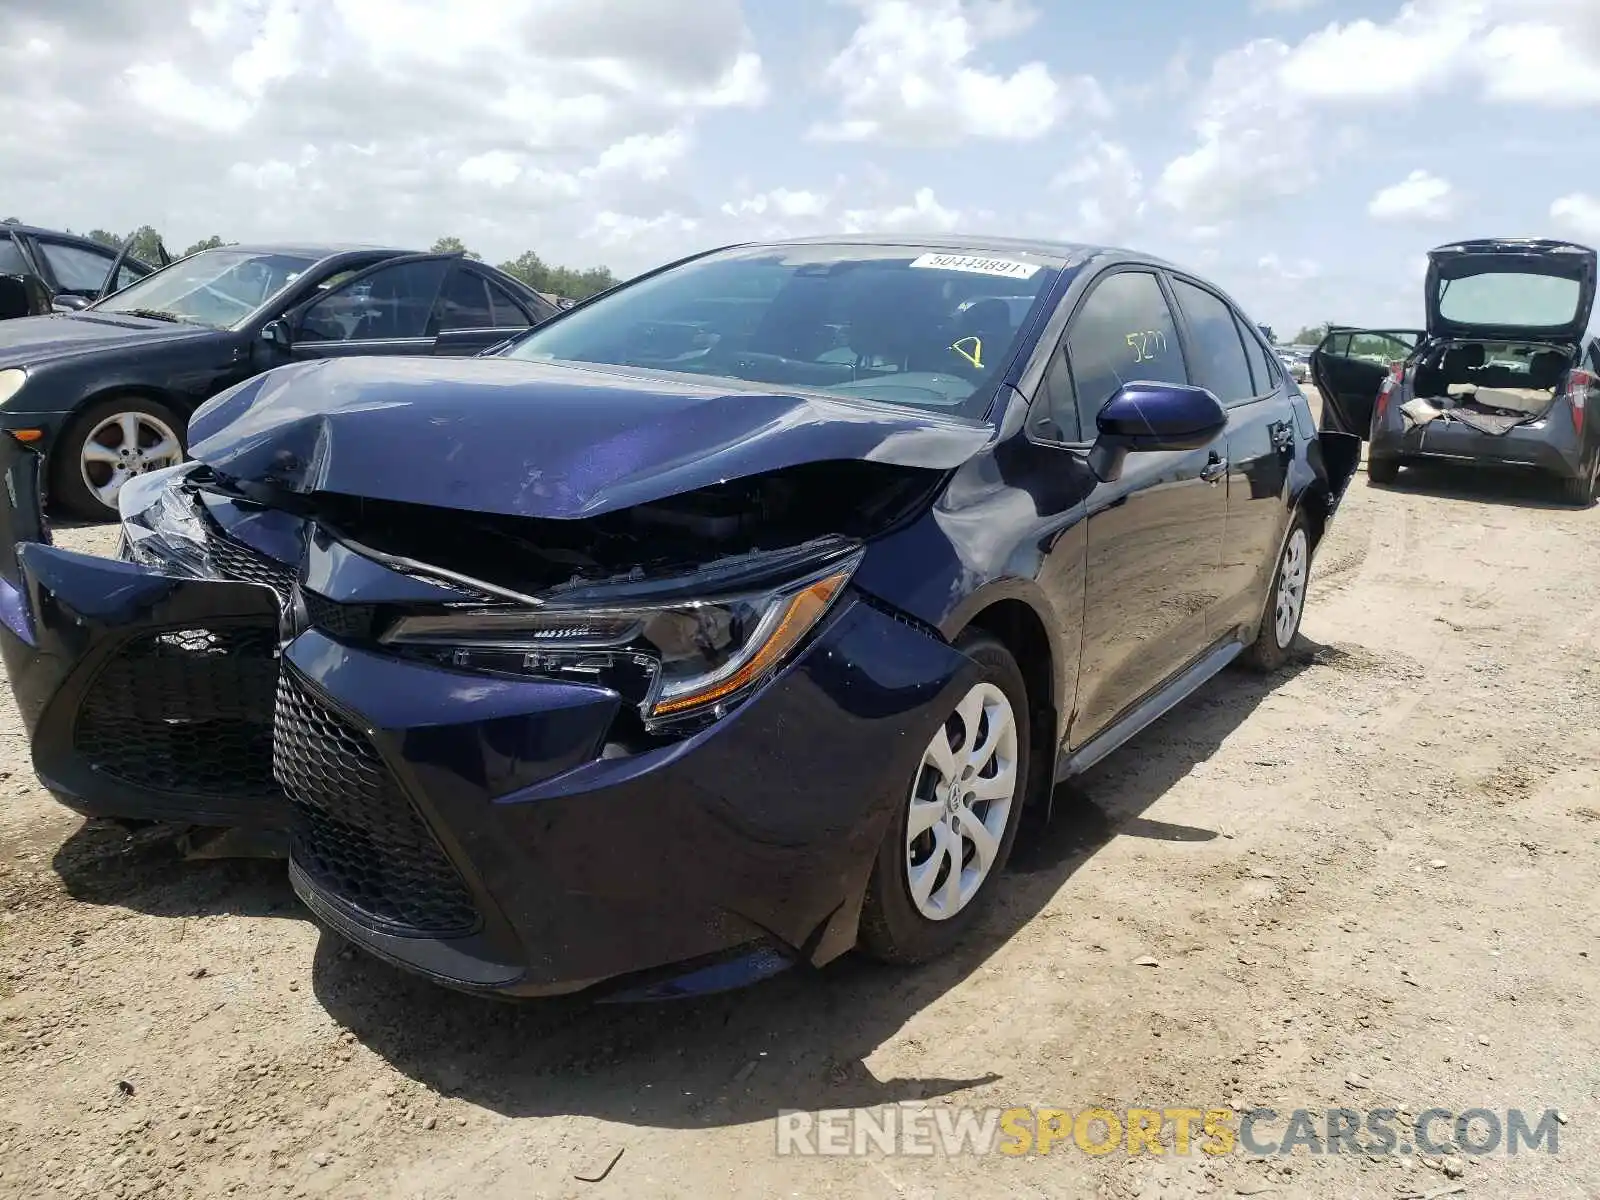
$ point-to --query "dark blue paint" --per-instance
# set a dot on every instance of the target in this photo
(535, 440)
(594, 853)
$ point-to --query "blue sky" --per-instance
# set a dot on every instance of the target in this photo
(1304, 153)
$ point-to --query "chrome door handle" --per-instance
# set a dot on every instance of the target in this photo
(1214, 470)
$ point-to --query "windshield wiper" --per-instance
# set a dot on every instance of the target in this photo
(154, 314)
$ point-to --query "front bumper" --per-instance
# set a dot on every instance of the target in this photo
(38, 430)
(488, 832)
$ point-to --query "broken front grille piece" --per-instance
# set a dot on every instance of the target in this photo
(186, 711)
(236, 561)
(355, 833)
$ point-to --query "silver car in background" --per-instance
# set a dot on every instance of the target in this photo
(1503, 375)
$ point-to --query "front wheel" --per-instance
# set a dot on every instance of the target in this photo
(954, 827)
(108, 444)
(1286, 604)
(1382, 470)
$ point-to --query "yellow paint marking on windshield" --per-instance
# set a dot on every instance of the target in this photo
(974, 355)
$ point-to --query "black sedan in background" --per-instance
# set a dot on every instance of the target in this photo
(73, 269)
(106, 392)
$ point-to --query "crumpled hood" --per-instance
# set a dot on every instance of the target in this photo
(529, 439)
(27, 341)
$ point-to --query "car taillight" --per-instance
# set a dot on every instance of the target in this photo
(1578, 385)
(1397, 372)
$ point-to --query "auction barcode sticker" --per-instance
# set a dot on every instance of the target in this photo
(1010, 268)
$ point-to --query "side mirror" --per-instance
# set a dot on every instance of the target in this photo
(1143, 417)
(276, 333)
(68, 300)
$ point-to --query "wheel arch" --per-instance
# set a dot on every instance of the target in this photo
(54, 464)
(1018, 620)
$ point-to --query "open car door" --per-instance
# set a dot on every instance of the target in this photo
(110, 285)
(1349, 366)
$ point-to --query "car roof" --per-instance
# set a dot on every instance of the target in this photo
(1064, 253)
(41, 231)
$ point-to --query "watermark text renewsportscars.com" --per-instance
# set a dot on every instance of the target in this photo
(1261, 1132)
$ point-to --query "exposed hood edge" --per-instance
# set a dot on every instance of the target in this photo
(574, 445)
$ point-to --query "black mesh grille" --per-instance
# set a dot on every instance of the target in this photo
(355, 833)
(351, 622)
(188, 711)
(245, 564)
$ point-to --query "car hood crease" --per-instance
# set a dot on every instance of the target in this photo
(542, 440)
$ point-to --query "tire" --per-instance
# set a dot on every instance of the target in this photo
(1577, 490)
(1382, 470)
(895, 926)
(107, 423)
(1286, 602)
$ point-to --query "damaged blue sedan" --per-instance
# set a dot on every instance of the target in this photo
(728, 620)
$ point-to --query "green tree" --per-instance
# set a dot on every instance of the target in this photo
(105, 238)
(1311, 334)
(454, 245)
(210, 243)
(561, 281)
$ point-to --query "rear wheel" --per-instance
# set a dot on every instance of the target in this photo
(1286, 604)
(954, 828)
(1383, 470)
(1578, 490)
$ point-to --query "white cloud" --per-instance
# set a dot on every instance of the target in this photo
(165, 91)
(1268, 95)
(1420, 196)
(496, 168)
(612, 229)
(1539, 64)
(1579, 212)
(780, 202)
(908, 76)
(923, 215)
(1420, 48)
(1105, 188)
(649, 156)
(1246, 124)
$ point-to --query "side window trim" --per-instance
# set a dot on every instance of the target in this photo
(1242, 329)
(501, 297)
(1039, 396)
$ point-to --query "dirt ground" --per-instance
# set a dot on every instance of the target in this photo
(1366, 881)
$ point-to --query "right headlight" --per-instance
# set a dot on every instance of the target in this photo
(677, 660)
(11, 381)
(161, 526)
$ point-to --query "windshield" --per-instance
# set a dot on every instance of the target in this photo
(1505, 298)
(891, 323)
(214, 287)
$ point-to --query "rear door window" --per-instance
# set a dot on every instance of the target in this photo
(1124, 332)
(79, 270)
(11, 260)
(1219, 358)
(508, 313)
(464, 304)
(1263, 366)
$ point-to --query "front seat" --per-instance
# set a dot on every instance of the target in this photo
(982, 332)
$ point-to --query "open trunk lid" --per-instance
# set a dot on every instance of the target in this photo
(1510, 288)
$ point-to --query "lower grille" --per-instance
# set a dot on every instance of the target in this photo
(355, 833)
(187, 712)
